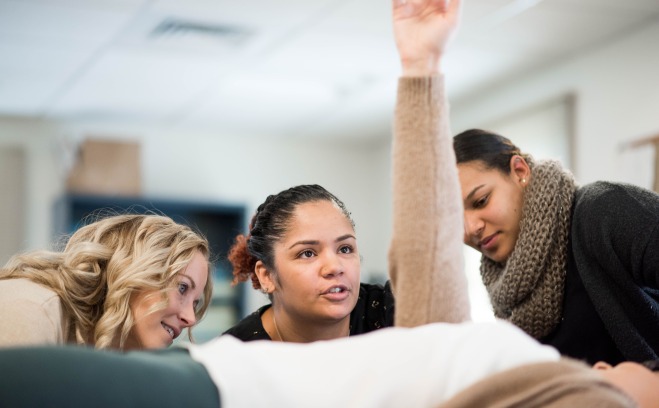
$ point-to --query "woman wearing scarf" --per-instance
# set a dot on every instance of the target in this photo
(576, 267)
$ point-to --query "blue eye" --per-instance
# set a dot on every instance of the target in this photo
(182, 288)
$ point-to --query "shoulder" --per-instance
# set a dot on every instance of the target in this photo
(250, 328)
(376, 294)
(605, 202)
(374, 309)
(374, 289)
(607, 194)
(26, 289)
(30, 295)
(613, 222)
(34, 314)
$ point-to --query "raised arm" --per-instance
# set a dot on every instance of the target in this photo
(426, 254)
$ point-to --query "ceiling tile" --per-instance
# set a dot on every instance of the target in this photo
(25, 86)
(265, 104)
(59, 22)
(135, 82)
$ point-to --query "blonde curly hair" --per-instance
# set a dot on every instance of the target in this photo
(104, 264)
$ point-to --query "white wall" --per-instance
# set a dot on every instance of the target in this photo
(42, 175)
(616, 87)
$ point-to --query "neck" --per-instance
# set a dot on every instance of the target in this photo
(281, 327)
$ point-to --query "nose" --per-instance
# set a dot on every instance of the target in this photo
(188, 316)
(474, 227)
(332, 266)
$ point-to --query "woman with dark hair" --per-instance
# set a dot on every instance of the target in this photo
(302, 252)
(575, 267)
(301, 248)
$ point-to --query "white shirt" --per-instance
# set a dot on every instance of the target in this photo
(393, 367)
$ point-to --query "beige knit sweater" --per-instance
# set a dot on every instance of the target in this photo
(30, 314)
(426, 271)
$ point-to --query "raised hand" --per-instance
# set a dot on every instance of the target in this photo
(422, 29)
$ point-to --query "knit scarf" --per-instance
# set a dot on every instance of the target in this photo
(528, 288)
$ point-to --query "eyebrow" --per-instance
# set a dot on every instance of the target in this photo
(316, 242)
(471, 194)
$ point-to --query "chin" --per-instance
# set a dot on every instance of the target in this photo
(496, 257)
(336, 315)
(154, 345)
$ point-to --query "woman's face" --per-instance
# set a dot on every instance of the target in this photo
(158, 329)
(492, 209)
(317, 265)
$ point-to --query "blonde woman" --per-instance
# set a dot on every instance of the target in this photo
(122, 282)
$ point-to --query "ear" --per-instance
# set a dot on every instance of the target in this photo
(520, 170)
(601, 365)
(265, 277)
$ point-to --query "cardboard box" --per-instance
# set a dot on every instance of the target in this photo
(106, 168)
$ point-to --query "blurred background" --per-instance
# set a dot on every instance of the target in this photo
(201, 108)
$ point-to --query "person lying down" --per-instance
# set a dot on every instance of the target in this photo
(435, 365)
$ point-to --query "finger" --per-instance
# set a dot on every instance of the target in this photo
(439, 5)
(454, 8)
(399, 3)
(404, 8)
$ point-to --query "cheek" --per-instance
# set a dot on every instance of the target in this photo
(293, 280)
(140, 306)
(507, 213)
(497, 214)
(355, 266)
(176, 302)
(516, 210)
(154, 309)
(352, 270)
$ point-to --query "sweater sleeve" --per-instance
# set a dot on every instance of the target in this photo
(553, 384)
(425, 254)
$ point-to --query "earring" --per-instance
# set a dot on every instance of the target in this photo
(264, 290)
(523, 181)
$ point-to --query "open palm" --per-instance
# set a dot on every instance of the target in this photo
(422, 29)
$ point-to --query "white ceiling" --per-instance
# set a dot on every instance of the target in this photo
(317, 68)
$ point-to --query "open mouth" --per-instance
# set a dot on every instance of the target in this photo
(336, 290)
(169, 330)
